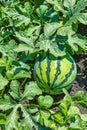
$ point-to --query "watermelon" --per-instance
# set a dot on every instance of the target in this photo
(53, 74)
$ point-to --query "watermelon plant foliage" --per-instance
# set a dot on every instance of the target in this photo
(27, 29)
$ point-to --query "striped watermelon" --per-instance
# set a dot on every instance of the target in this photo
(52, 74)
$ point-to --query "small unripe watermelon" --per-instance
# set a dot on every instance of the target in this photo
(53, 74)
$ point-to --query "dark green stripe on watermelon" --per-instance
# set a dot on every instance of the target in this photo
(57, 72)
(40, 68)
(48, 70)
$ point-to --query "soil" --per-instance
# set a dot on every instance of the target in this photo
(81, 79)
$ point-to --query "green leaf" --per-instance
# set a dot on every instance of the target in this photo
(3, 82)
(33, 110)
(8, 54)
(22, 47)
(12, 120)
(22, 74)
(65, 103)
(3, 62)
(6, 103)
(65, 30)
(76, 42)
(50, 28)
(18, 70)
(83, 18)
(22, 37)
(27, 123)
(58, 6)
(69, 3)
(63, 128)
(56, 49)
(19, 75)
(33, 31)
(14, 89)
(25, 48)
(41, 10)
(28, 7)
(31, 90)
(67, 98)
(76, 12)
(73, 110)
(18, 18)
(78, 124)
(59, 118)
(80, 98)
(45, 101)
(44, 118)
(63, 107)
(84, 117)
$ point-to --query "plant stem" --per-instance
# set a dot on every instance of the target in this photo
(23, 82)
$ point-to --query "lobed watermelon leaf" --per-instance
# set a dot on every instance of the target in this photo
(80, 98)
(31, 90)
(45, 102)
(11, 122)
(3, 82)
